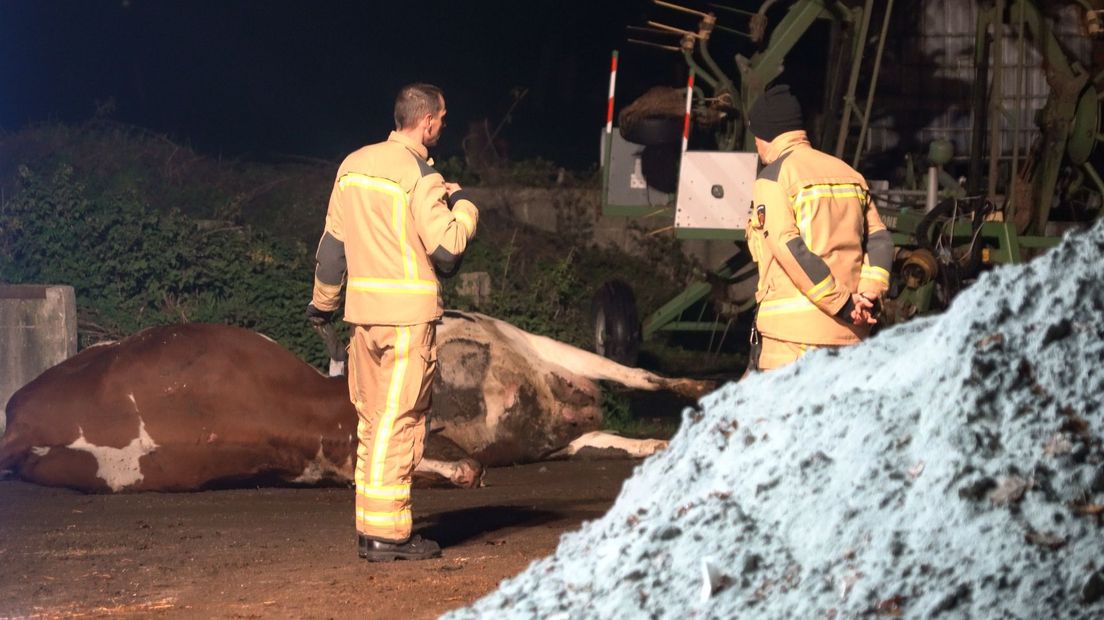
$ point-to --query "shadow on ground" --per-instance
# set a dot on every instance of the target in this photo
(458, 526)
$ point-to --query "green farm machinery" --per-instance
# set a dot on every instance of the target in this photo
(976, 124)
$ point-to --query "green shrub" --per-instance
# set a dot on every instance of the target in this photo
(133, 266)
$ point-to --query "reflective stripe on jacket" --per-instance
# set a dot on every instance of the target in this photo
(391, 227)
(817, 238)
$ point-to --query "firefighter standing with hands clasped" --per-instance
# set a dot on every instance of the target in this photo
(823, 253)
(392, 227)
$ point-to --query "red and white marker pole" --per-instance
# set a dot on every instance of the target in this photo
(686, 120)
(613, 81)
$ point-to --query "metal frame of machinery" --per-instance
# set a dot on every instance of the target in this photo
(951, 215)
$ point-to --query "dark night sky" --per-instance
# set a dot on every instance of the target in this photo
(254, 79)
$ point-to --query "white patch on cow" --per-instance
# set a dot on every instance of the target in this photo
(118, 467)
(337, 369)
(317, 469)
(266, 338)
(130, 395)
(40, 450)
(635, 448)
(497, 398)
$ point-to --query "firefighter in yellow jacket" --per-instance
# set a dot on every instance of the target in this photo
(823, 253)
(392, 227)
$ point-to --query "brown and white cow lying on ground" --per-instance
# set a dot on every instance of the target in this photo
(193, 406)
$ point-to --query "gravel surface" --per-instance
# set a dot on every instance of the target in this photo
(951, 467)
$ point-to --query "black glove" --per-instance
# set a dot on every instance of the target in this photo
(844, 313)
(317, 317)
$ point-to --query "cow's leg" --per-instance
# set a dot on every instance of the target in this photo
(60, 466)
(465, 473)
(595, 366)
(444, 463)
(608, 445)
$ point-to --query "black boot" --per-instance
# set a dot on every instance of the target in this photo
(415, 548)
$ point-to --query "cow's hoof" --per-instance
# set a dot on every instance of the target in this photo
(469, 474)
(416, 548)
(692, 388)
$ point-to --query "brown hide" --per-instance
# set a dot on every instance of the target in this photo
(192, 406)
(217, 404)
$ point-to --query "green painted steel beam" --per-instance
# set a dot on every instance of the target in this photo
(690, 326)
(671, 310)
(710, 234)
(1039, 242)
(632, 210)
(766, 65)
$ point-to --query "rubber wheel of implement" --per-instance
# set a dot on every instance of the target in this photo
(654, 131)
(616, 323)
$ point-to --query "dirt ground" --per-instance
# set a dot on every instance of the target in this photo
(279, 552)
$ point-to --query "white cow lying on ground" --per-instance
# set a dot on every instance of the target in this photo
(194, 406)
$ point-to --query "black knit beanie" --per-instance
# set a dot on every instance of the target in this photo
(774, 113)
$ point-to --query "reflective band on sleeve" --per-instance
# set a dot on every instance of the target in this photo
(398, 287)
(788, 305)
(822, 289)
(391, 411)
(465, 220)
(875, 273)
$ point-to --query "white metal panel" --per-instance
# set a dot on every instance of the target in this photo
(714, 190)
(627, 183)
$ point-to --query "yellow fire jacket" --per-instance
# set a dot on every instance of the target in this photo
(392, 229)
(817, 238)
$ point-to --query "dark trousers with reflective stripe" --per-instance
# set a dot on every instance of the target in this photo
(391, 371)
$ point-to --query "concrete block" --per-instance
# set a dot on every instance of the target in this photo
(475, 286)
(38, 329)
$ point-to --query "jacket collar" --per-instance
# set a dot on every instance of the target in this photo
(785, 142)
(415, 147)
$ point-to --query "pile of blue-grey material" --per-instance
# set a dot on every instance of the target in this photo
(951, 465)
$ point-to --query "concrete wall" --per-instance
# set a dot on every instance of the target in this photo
(559, 210)
(38, 329)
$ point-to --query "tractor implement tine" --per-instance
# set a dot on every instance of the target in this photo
(654, 31)
(669, 48)
(732, 9)
(686, 33)
(676, 7)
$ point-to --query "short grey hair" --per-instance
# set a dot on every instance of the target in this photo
(414, 102)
